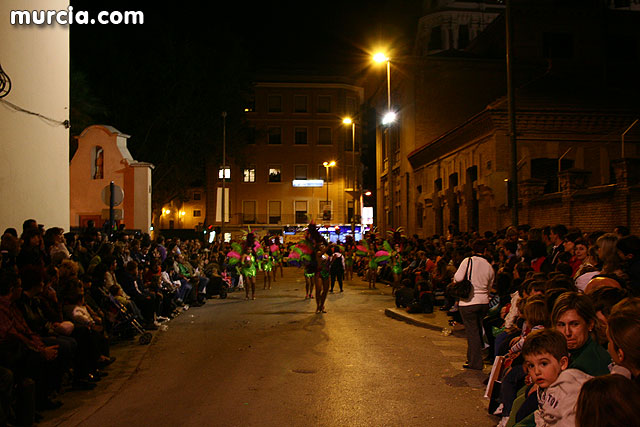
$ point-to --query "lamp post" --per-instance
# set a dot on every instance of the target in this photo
(328, 165)
(350, 121)
(388, 119)
(224, 169)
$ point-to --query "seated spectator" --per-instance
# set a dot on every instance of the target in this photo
(22, 350)
(623, 333)
(546, 357)
(609, 400)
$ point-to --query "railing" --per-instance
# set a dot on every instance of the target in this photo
(265, 219)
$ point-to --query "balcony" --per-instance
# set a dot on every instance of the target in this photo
(300, 218)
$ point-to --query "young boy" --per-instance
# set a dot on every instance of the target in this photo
(546, 359)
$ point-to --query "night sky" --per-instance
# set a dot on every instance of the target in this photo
(271, 32)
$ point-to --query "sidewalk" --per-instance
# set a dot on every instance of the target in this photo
(437, 321)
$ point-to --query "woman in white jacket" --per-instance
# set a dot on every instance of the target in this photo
(474, 308)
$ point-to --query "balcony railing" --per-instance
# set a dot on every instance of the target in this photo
(265, 219)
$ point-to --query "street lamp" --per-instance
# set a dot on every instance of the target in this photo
(328, 165)
(380, 58)
(350, 121)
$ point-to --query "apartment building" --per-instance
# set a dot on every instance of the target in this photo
(302, 163)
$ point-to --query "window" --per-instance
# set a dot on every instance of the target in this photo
(326, 207)
(419, 215)
(557, 45)
(349, 179)
(275, 211)
(435, 41)
(275, 135)
(324, 136)
(300, 104)
(227, 173)
(274, 103)
(249, 212)
(351, 106)
(324, 104)
(437, 184)
(300, 136)
(300, 172)
(351, 211)
(453, 180)
(275, 174)
(197, 195)
(97, 164)
(300, 207)
(197, 212)
(463, 38)
(249, 175)
(251, 135)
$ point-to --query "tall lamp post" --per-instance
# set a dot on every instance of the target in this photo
(224, 169)
(350, 121)
(387, 120)
(327, 165)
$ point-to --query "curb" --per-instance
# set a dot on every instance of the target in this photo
(399, 314)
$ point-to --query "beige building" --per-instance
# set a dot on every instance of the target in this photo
(280, 180)
(102, 157)
(188, 212)
(34, 138)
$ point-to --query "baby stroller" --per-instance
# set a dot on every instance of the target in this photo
(125, 323)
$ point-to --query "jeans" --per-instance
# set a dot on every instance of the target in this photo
(472, 316)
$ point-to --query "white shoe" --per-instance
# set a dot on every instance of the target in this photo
(503, 422)
(498, 410)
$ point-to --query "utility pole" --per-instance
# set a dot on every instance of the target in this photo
(513, 175)
(224, 169)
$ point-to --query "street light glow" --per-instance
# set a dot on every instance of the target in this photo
(389, 118)
(380, 57)
(329, 164)
(368, 193)
(347, 120)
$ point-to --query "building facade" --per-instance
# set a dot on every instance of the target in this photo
(34, 128)
(303, 163)
(187, 212)
(445, 162)
(102, 157)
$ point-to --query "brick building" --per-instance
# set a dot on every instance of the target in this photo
(446, 160)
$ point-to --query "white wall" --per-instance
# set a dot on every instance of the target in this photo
(34, 154)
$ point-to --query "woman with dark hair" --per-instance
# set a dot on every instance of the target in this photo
(318, 264)
(609, 400)
(474, 308)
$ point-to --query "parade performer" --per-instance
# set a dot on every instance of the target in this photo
(248, 266)
(318, 245)
(267, 266)
(396, 264)
(349, 252)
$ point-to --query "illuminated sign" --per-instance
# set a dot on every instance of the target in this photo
(307, 182)
(367, 215)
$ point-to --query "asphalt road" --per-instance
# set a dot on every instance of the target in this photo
(274, 362)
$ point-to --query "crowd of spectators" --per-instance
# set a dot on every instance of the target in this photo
(63, 295)
(66, 297)
(531, 288)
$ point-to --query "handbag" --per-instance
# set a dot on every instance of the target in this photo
(463, 288)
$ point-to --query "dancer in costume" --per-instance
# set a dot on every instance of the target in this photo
(248, 266)
(349, 254)
(267, 266)
(321, 265)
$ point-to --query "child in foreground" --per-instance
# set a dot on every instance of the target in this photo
(546, 359)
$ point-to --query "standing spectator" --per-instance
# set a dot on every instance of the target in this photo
(558, 232)
(337, 268)
(476, 306)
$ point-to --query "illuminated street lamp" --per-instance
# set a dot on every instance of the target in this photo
(328, 165)
(380, 58)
